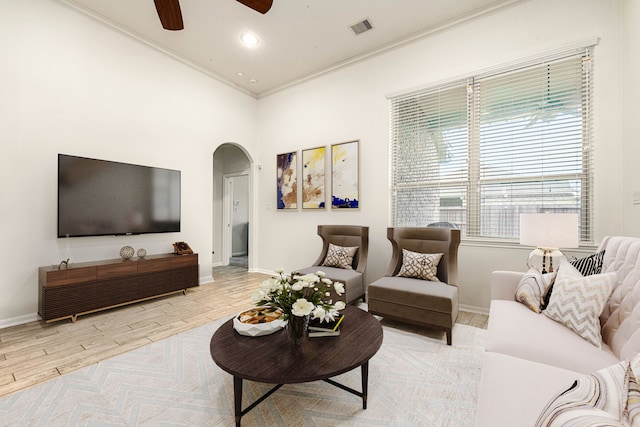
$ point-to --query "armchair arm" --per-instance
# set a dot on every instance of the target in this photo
(504, 284)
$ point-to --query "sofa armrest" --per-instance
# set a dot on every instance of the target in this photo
(504, 284)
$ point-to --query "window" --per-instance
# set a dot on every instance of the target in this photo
(479, 151)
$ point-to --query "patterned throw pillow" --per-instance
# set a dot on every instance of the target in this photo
(533, 287)
(340, 256)
(589, 265)
(577, 301)
(419, 266)
(594, 400)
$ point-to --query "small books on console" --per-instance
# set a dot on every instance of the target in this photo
(325, 329)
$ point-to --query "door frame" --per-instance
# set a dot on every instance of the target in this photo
(227, 215)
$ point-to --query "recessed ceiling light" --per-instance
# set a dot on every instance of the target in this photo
(249, 39)
(240, 74)
(252, 81)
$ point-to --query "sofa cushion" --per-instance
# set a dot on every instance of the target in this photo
(419, 266)
(533, 287)
(577, 301)
(340, 256)
(517, 331)
(514, 391)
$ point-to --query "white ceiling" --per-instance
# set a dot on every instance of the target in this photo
(299, 39)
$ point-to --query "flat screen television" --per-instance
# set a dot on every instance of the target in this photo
(100, 197)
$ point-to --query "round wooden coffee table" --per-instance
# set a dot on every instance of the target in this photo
(271, 359)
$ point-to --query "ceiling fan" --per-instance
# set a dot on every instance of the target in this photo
(171, 16)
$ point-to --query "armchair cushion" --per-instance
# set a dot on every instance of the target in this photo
(340, 256)
(352, 280)
(404, 291)
(419, 266)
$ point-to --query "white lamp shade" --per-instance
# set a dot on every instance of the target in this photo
(549, 230)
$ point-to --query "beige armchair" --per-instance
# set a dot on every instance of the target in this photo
(354, 277)
(413, 300)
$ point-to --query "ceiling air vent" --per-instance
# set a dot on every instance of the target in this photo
(361, 27)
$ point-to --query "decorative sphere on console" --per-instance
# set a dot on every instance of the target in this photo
(126, 252)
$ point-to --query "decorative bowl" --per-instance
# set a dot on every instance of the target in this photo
(257, 329)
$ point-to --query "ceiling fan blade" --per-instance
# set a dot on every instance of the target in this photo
(261, 6)
(169, 14)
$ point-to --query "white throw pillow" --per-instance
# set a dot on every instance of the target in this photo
(419, 266)
(577, 301)
(533, 287)
(340, 256)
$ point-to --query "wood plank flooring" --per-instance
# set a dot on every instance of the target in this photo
(35, 352)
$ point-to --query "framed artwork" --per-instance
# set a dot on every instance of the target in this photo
(345, 185)
(313, 178)
(287, 185)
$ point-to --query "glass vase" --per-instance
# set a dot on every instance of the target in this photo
(297, 329)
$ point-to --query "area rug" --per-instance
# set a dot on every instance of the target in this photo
(414, 379)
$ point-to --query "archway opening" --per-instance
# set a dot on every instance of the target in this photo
(232, 206)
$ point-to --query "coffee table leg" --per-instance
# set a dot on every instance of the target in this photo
(365, 381)
(237, 398)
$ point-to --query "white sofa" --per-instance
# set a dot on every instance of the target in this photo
(530, 358)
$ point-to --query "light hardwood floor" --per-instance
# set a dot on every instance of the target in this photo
(35, 352)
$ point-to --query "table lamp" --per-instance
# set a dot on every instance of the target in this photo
(548, 232)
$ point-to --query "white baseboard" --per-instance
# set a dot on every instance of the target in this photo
(20, 320)
(205, 279)
(474, 309)
(263, 271)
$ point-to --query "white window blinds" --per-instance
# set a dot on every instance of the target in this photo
(478, 152)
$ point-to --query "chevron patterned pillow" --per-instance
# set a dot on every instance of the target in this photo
(340, 256)
(577, 301)
(419, 266)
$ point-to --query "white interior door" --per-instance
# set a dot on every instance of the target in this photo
(236, 216)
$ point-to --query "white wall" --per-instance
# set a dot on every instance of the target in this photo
(72, 85)
(631, 182)
(351, 104)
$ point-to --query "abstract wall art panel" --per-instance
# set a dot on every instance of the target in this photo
(287, 185)
(345, 186)
(313, 178)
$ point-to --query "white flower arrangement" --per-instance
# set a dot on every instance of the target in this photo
(301, 295)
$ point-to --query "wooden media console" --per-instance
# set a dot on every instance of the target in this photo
(88, 287)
